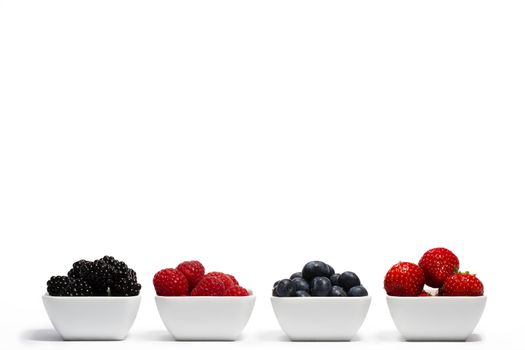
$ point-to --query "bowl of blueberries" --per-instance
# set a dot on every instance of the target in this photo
(318, 304)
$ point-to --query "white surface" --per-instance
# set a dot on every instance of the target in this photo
(255, 136)
(436, 318)
(92, 318)
(321, 318)
(205, 318)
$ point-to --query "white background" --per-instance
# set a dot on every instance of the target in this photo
(255, 136)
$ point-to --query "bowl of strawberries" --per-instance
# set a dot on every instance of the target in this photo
(433, 300)
(195, 305)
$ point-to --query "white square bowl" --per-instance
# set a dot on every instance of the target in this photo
(321, 318)
(436, 318)
(205, 318)
(92, 318)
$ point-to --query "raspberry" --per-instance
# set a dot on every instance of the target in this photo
(236, 291)
(223, 277)
(209, 286)
(193, 270)
(170, 282)
(234, 280)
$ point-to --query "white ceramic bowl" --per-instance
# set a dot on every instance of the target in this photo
(321, 318)
(205, 318)
(92, 318)
(436, 318)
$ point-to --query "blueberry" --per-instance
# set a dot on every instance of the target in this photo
(275, 284)
(284, 288)
(320, 287)
(274, 292)
(337, 292)
(301, 293)
(331, 269)
(315, 269)
(358, 291)
(297, 274)
(301, 284)
(334, 279)
(348, 280)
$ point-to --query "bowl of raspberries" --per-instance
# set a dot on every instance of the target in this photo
(433, 300)
(96, 300)
(318, 304)
(195, 305)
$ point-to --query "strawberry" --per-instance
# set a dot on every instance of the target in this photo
(193, 270)
(425, 294)
(170, 282)
(462, 284)
(438, 264)
(236, 291)
(209, 286)
(223, 277)
(404, 279)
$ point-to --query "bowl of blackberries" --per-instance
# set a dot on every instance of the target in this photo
(96, 300)
(318, 304)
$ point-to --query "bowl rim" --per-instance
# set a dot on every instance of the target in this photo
(437, 297)
(204, 297)
(367, 297)
(221, 297)
(53, 297)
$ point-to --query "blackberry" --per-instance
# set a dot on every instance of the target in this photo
(100, 277)
(119, 269)
(109, 259)
(114, 263)
(80, 270)
(58, 286)
(121, 266)
(80, 288)
(125, 287)
(123, 280)
(132, 275)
